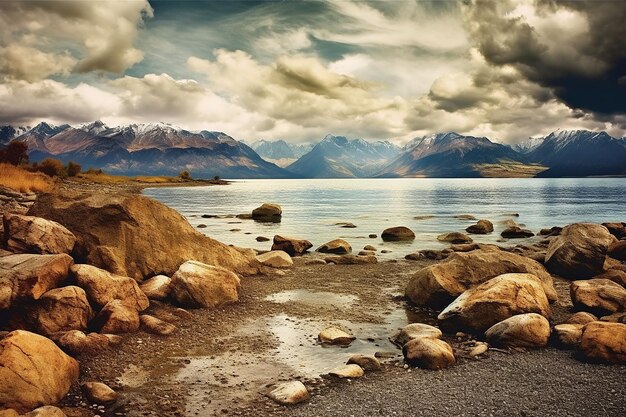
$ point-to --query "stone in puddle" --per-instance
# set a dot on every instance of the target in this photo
(368, 363)
(335, 336)
(347, 371)
(288, 393)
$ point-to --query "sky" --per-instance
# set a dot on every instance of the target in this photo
(298, 70)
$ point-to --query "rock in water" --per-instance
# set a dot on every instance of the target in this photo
(455, 237)
(337, 246)
(579, 252)
(33, 371)
(63, 309)
(428, 353)
(347, 371)
(482, 227)
(275, 259)
(36, 235)
(530, 330)
(516, 232)
(99, 393)
(288, 393)
(437, 285)
(117, 317)
(198, 285)
(131, 235)
(398, 233)
(368, 363)
(335, 336)
(414, 331)
(604, 342)
(102, 287)
(598, 294)
(495, 300)
(291, 245)
(268, 213)
(157, 287)
(27, 276)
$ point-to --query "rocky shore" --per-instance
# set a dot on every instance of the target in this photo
(112, 304)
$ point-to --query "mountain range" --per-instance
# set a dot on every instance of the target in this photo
(163, 149)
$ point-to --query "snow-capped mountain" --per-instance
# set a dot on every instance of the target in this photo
(339, 157)
(156, 148)
(8, 133)
(280, 152)
(528, 145)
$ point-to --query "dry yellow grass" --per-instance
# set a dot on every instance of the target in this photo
(24, 181)
(104, 178)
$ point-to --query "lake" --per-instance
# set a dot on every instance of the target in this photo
(312, 207)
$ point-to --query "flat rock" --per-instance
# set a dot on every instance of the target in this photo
(455, 237)
(103, 287)
(598, 295)
(347, 371)
(275, 259)
(516, 232)
(579, 252)
(437, 285)
(494, 301)
(428, 353)
(99, 393)
(336, 246)
(157, 287)
(291, 245)
(335, 336)
(198, 285)
(29, 234)
(33, 371)
(351, 259)
(398, 233)
(288, 393)
(414, 331)
(604, 342)
(529, 330)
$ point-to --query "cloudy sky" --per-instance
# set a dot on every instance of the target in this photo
(297, 70)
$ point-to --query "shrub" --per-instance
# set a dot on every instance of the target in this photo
(216, 178)
(73, 169)
(185, 175)
(15, 153)
(52, 167)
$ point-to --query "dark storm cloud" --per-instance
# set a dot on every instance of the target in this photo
(576, 49)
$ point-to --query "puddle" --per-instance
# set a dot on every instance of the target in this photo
(321, 298)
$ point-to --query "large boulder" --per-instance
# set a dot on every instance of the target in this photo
(63, 309)
(495, 300)
(530, 330)
(617, 250)
(199, 285)
(157, 287)
(102, 287)
(275, 259)
(33, 371)
(27, 276)
(116, 317)
(291, 245)
(336, 246)
(131, 235)
(604, 342)
(482, 227)
(268, 212)
(428, 353)
(437, 285)
(398, 233)
(36, 235)
(598, 295)
(579, 252)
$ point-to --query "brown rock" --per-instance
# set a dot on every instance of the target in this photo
(437, 285)
(615, 318)
(604, 342)
(9, 413)
(335, 336)
(336, 246)
(63, 309)
(131, 235)
(204, 286)
(262, 239)
(414, 331)
(496, 300)
(99, 393)
(27, 276)
(291, 245)
(157, 287)
(33, 371)
(347, 371)
(482, 227)
(617, 229)
(351, 260)
(581, 317)
(289, 393)
(553, 231)
(36, 235)
(46, 411)
(568, 335)
(598, 294)
(615, 275)
(617, 250)
(368, 363)
(415, 256)
(428, 353)
(467, 247)
(398, 233)
(156, 326)
(117, 317)
(529, 330)
(268, 213)
(275, 259)
(76, 342)
(579, 251)
(369, 248)
(516, 232)
(103, 287)
(455, 237)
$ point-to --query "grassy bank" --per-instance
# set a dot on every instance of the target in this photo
(99, 177)
(24, 181)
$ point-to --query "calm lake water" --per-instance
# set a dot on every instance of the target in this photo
(311, 208)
